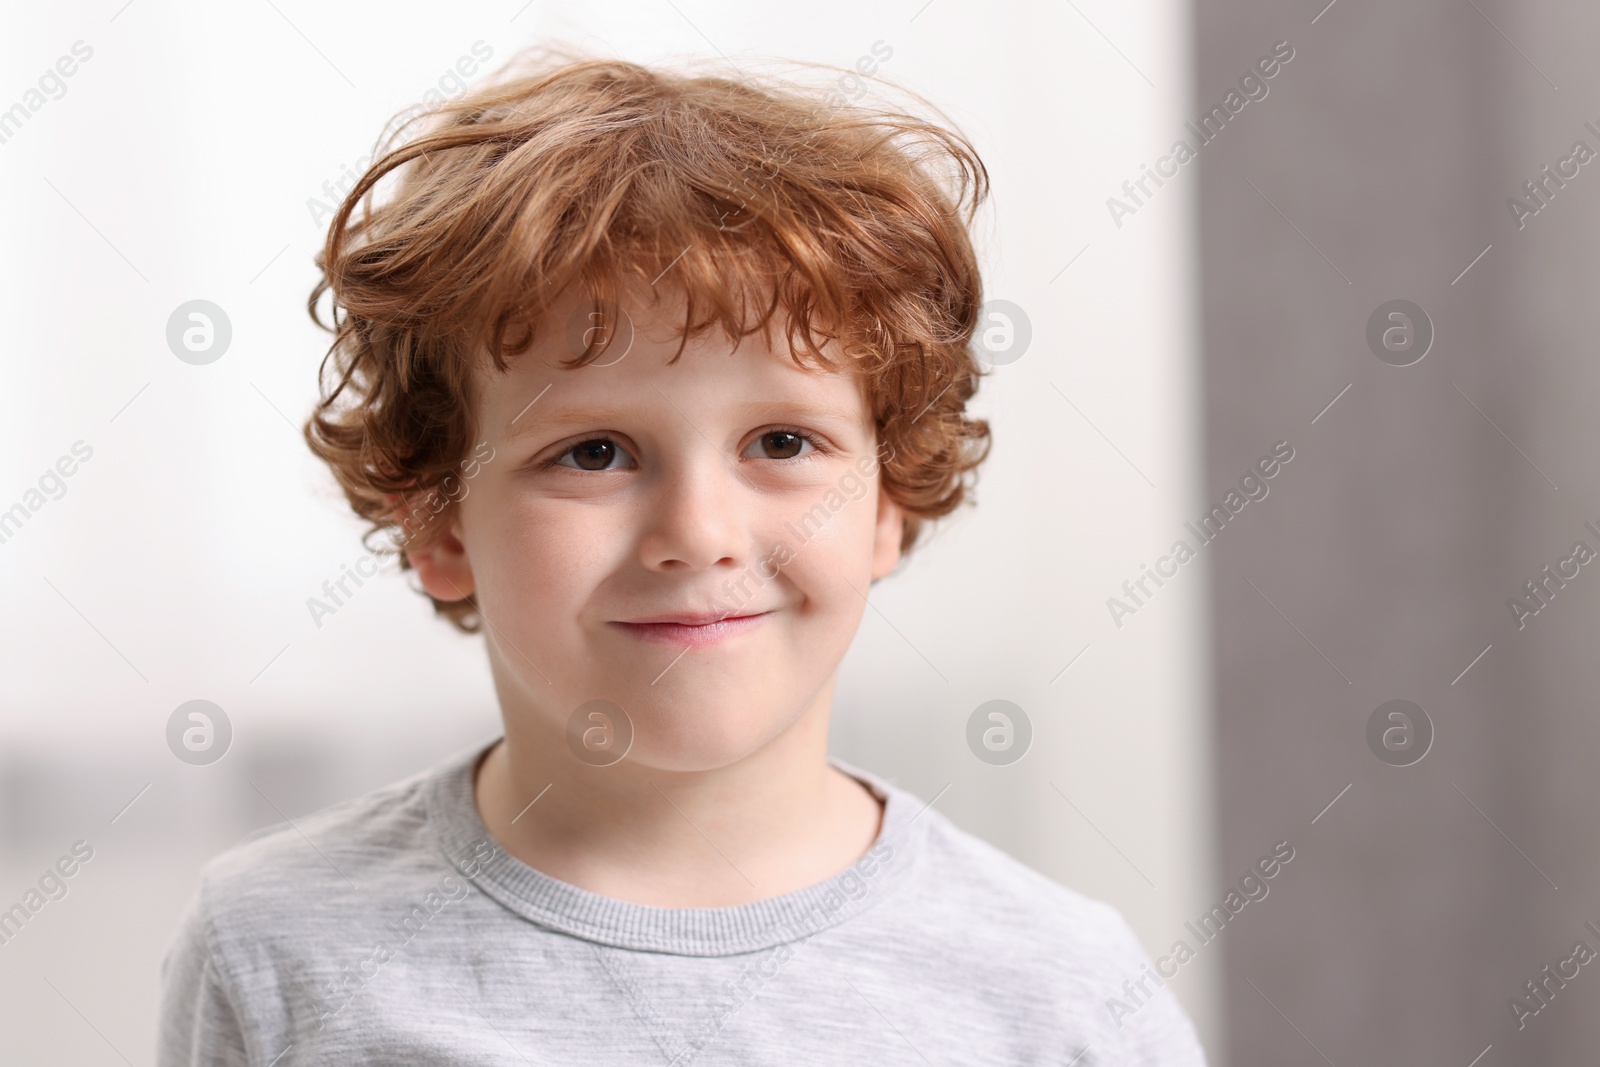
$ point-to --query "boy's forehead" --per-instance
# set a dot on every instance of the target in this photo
(757, 372)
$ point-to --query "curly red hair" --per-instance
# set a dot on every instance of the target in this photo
(565, 170)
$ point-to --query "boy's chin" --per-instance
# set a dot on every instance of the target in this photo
(710, 742)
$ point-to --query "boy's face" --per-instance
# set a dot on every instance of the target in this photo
(734, 483)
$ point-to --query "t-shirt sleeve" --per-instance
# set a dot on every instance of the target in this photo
(1159, 1032)
(198, 1024)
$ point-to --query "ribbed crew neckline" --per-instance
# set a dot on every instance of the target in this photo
(558, 905)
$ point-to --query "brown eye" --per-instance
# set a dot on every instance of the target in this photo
(596, 454)
(782, 444)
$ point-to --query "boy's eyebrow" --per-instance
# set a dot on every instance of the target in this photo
(534, 421)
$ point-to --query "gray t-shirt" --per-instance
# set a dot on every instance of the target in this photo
(393, 929)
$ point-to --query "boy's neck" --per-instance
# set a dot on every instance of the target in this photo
(778, 820)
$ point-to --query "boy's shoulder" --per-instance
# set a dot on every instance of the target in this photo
(392, 815)
(976, 917)
(993, 891)
(1024, 915)
(356, 847)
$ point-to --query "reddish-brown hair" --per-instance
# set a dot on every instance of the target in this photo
(571, 170)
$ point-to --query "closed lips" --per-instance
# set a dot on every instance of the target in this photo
(690, 618)
(690, 629)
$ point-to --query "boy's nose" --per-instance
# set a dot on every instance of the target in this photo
(695, 519)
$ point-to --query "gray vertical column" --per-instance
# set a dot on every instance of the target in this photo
(1424, 494)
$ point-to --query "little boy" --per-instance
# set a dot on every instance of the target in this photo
(650, 376)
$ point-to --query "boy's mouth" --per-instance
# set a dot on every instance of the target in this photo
(688, 629)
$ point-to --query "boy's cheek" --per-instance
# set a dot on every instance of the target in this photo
(827, 574)
(539, 575)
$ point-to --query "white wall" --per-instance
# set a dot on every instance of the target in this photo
(178, 164)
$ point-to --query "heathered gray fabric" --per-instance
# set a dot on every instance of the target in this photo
(393, 930)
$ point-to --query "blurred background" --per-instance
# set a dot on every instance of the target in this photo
(1349, 244)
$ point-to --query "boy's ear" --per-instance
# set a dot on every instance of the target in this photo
(886, 535)
(442, 566)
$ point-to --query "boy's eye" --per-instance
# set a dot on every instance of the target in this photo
(605, 454)
(784, 444)
(595, 454)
